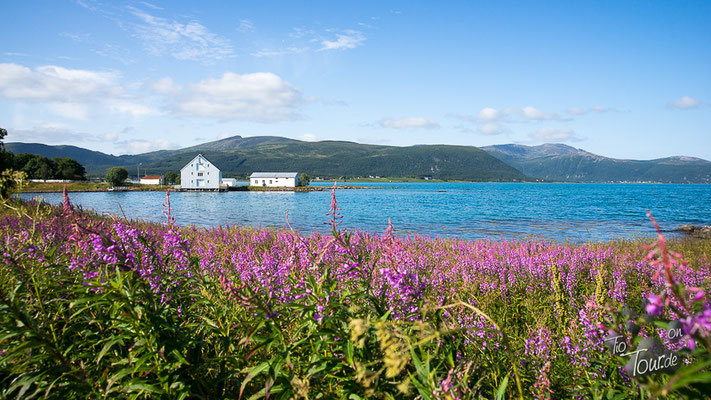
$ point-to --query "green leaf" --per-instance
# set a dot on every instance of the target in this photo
(501, 391)
(253, 372)
(107, 347)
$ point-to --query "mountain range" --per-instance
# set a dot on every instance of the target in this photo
(559, 162)
(239, 156)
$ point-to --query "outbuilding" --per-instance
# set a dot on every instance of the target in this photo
(152, 180)
(274, 179)
(200, 174)
(229, 182)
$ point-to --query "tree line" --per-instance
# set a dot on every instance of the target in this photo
(39, 167)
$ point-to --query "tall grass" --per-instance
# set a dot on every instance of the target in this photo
(98, 307)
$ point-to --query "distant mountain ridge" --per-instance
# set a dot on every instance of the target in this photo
(559, 162)
(239, 156)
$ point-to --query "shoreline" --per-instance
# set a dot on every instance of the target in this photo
(303, 189)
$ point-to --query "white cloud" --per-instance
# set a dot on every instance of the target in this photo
(245, 26)
(349, 39)
(183, 41)
(601, 109)
(490, 129)
(299, 33)
(554, 135)
(109, 137)
(261, 97)
(577, 111)
(55, 84)
(308, 137)
(532, 113)
(50, 133)
(281, 52)
(684, 102)
(149, 5)
(489, 114)
(75, 36)
(409, 123)
(165, 86)
(117, 53)
(131, 108)
(69, 93)
(77, 111)
(528, 113)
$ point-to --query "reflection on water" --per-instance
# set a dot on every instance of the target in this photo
(576, 212)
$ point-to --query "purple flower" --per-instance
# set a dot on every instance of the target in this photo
(655, 304)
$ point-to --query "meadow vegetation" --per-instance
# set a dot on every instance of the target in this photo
(100, 307)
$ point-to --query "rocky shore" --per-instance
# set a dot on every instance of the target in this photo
(699, 232)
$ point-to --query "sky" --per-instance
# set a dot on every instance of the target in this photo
(623, 79)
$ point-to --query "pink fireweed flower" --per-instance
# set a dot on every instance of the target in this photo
(667, 260)
(655, 304)
(67, 205)
(336, 216)
(388, 236)
(167, 210)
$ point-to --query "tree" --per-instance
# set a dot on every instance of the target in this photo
(39, 167)
(6, 179)
(69, 168)
(171, 178)
(304, 179)
(6, 157)
(116, 175)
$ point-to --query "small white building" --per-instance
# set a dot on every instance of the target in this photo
(274, 179)
(200, 174)
(152, 180)
(229, 182)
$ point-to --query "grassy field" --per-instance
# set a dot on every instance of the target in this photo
(95, 307)
(78, 186)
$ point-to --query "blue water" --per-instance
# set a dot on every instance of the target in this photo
(558, 211)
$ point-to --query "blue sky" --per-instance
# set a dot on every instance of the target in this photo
(627, 79)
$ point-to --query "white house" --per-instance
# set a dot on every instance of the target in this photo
(274, 179)
(152, 180)
(229, 182)
(200, 173)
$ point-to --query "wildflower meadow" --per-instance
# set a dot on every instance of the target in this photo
(104, 307)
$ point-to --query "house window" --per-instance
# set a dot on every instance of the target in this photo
(199, 173)
(208, 172)
(270, 181)
(191, 173)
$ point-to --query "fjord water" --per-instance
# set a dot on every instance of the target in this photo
(556, 211)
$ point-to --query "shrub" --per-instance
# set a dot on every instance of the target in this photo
(116, 175)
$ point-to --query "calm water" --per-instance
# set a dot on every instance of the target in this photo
(575, 212)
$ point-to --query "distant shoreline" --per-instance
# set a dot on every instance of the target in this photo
(58, 187)
(74, 187)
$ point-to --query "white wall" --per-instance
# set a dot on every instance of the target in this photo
(200, 174)
(151, 181)
(273, 182)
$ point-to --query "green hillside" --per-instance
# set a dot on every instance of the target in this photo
(565, 163)
(84, 156)
(330, 158)
(239, 157)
